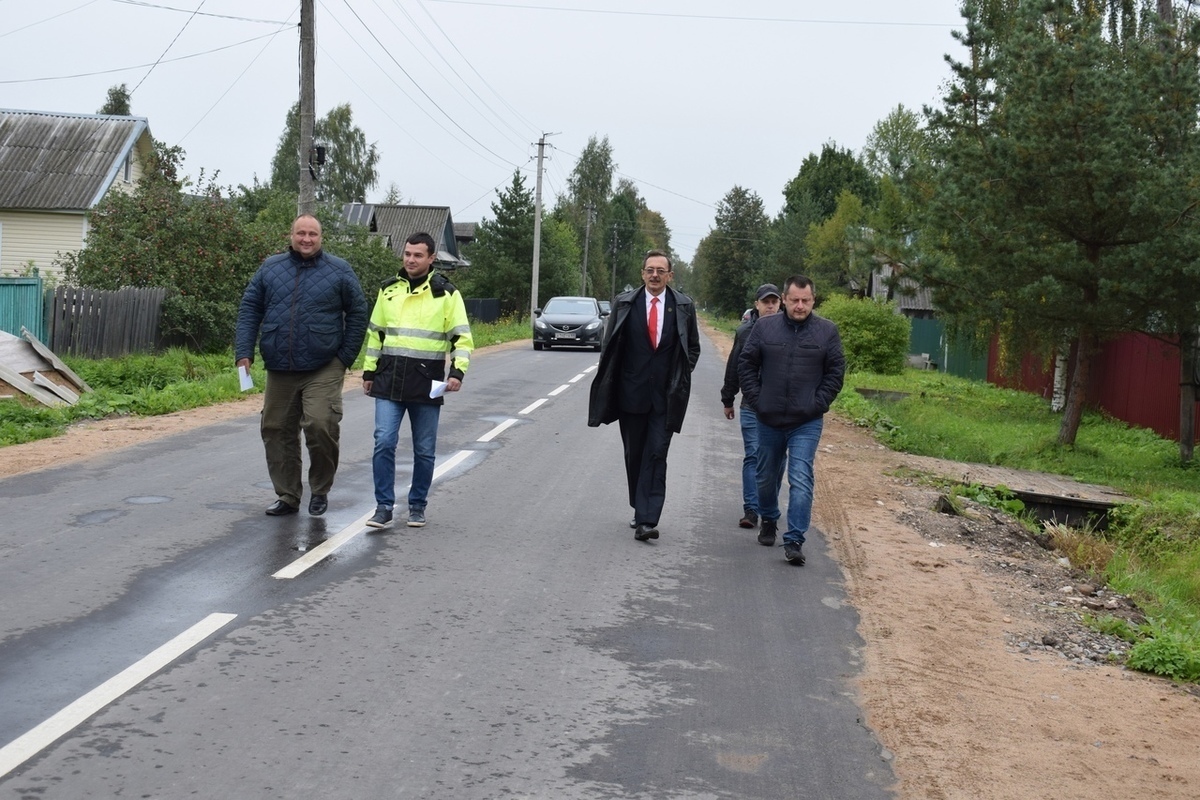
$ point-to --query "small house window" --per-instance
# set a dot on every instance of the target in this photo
(127, 170)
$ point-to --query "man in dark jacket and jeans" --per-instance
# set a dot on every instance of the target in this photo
(311, 313)
(791, 370)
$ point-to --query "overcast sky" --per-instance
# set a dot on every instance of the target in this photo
(695, 96)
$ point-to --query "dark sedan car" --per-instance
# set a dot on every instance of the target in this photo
(573, 321)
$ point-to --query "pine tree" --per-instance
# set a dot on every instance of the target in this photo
(1065, 191)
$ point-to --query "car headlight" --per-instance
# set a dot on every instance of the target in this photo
(593, 325)
(537, 323)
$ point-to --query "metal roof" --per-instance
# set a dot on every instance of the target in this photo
(906, 292)
(62, 162)
(400, 222)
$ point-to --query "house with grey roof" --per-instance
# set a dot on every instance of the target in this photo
(54, 168)
(398, 222)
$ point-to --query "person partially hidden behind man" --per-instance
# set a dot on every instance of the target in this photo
(766, 303)
(311, 313)
(791, 370)
(651, 345)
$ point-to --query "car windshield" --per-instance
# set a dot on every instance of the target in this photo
(566, 305)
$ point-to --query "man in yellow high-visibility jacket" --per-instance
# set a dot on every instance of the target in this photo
(419, 319)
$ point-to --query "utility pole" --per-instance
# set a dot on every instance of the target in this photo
(307, 203)
(537, 232)
(587, 237)
(615, 245)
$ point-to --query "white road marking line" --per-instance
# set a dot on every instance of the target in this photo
(29, 744)
(451, 462)
(333, 543)
(532, 406)
(560, 390)
(496, 431)
(324, 549)
(578, 377)
(589, 369)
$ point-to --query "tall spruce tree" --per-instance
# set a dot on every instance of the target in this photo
(1067, 157)
(502, 254)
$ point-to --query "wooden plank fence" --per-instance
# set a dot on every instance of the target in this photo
(96, 323)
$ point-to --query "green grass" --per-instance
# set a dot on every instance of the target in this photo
(1155, 542)
(177, 380)
(510, 329)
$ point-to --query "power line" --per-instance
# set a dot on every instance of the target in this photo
(400, 127)
(283, 26)
(482, 79)
(645, 183)
(47, 19)
(402, 90)
(718, 17)
(421, 50)
(422, 90)
(198, 13)
(164, 52)
(137, 66)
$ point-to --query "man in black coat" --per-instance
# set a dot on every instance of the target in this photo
(791, 370)
(651, 345)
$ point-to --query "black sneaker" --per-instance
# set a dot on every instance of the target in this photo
(793, 552)
(382, 518)
(749, 519)
(416, 517)
(766, 536)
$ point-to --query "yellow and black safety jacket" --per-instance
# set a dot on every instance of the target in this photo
(412, 328)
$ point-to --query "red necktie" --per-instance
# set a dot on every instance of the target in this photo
(653, 323)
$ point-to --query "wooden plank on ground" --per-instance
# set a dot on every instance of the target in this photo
(1018, 480)
(66, 394)
(23, 384)
(55, 361)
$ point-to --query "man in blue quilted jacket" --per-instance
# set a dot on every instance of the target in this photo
(307, 311)
(791, 370)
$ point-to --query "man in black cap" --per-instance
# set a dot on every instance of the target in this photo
(791, 370)
(766, 303)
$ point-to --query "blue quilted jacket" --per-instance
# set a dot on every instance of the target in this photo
(307, 313)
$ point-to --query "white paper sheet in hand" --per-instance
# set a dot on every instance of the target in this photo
(247, 383)
(437, 389)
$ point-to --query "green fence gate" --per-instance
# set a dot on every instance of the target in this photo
(23, 304)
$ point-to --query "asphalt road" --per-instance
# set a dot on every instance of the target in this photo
(523, 644)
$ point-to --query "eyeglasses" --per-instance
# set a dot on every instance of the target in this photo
(655, 271)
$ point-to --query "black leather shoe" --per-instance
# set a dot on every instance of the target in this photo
(645, 532)
(633, 522)
(280, 509)
(318, 504)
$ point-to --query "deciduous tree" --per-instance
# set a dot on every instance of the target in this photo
(117, 102)
(350, 168)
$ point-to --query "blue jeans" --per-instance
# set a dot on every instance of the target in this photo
(799, 446)
(423, 419)
(749, 422)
